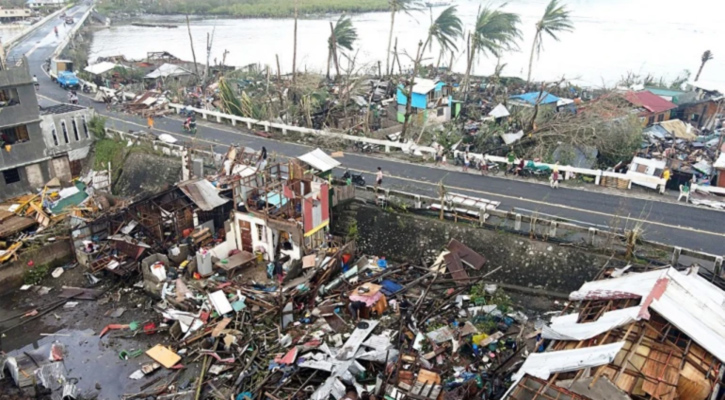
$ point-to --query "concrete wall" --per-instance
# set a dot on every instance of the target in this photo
(26, 113)
(52, 128)
(34, 176)
(525, 263)
(11, 274)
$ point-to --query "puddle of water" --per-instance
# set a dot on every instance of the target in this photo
(96, 364)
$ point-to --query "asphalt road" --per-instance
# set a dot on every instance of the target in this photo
(686, 226)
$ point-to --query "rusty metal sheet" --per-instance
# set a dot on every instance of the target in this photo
(466, 254)
(455, 267)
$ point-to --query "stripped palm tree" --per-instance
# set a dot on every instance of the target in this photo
(556, 19)
(343, 36)
(495, 31)
(706, 56)
(395, 7)
(445, 30)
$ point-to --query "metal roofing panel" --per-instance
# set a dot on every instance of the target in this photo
(688, 301)
(101, 67)
(424, 86)
(455, 267)
(203, 194)
(533, 97)
(319, 160)
(541, 365)
(467, 255)
(566, 327)
(499, 111)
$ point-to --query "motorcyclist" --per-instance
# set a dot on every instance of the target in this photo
(190, 123)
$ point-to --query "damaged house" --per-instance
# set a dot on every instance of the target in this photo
(641, 335)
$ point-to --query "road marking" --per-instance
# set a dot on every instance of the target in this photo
(543, 203)
(505, 196)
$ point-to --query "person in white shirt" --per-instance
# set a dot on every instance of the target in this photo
(35, 82)
(379, 178)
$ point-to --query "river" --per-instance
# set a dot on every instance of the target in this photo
(612, 37)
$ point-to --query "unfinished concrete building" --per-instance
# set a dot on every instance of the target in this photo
(651, 335)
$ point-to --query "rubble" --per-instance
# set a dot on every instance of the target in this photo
(247, 289)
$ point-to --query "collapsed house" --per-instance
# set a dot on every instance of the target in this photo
(639, 335)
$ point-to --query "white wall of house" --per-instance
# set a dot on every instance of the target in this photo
(264, 238)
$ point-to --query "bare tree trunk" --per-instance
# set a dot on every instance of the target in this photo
(531, 58)
(191, 42)
(450, 65)
(409, 91)
(438, 64)
(334, 51)
(388, 67)
(294, 53)
(329, 61)
(699, 71)
(279, 71)
(396, 59)
(380, 73)
(471, 52)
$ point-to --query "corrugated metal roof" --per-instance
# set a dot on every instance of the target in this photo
(532, 97)
(541, 365)
(203, 194)
(424, 86)
(319, 160)
(685, 299)
(650, 101)
(566, 327)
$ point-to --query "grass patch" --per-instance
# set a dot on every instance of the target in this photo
(108, 150)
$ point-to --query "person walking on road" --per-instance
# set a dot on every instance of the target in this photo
(150, 121)
(466, 161)
(55, 29)
(378, 178)
(36, 83)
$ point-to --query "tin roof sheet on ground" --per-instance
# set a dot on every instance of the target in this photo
(499, 111)
(319, 160)
(720, 162)
(679, 129)
(203, 194)
(466, 254)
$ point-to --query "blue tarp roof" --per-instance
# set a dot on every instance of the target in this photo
(531, 97)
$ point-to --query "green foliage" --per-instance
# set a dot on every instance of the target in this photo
(556, 19)
(34, 275)
(108, 150)
(446, 29)
(229, 101)
(97, 125)
(352, 231)
(496, 31)
(244, 8)
(345, 34)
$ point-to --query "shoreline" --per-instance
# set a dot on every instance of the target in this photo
(121, 18)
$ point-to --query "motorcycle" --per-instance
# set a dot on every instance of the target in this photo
(86, 88)
(366, 147)
(356, 179)
(189, 127)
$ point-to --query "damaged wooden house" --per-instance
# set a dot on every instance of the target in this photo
(642, 335)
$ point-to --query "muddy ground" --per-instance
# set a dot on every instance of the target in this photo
(94, 361)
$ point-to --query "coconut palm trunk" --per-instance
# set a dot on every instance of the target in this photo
(294, 52)
(388, 67)
(531, 57)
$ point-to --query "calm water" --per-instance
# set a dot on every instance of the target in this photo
(662, 37)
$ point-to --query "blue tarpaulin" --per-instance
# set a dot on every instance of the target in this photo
(390, 287)
(532, 97)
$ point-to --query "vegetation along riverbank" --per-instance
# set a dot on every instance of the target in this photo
(244, 8)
